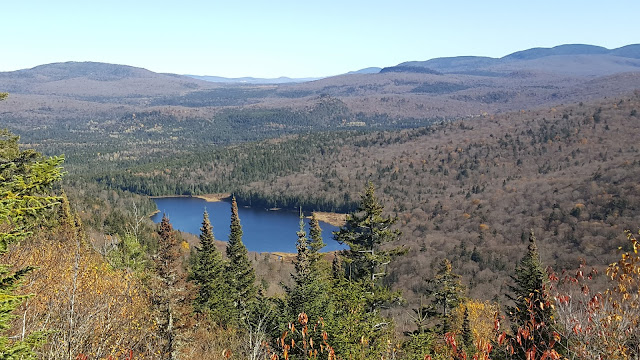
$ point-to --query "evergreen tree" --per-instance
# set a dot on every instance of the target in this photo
(168, 254)
(315, 233)
(531, 310)
(302, 263)
(26, 179)
(239, 272)
(445, 292)
(356, 328)
(528, 290)
(309, 293)
(65, 215)
(171, 292)
(129, 254)
(358, 295)
(208, 274)
(467, 334)
(365, 232)
(337, 270)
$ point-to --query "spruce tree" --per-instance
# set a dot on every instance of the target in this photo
(365, 232)
(239, 272)
(26, 179)
(309, 293)
(358, 293)
(302, 263)
(448, 289)
(528, 290)
(531, 310)
(319, 266)
(168, 253)
(208, 274)
(467, 334)
(171, 292)
(445, 293)
(315, 233)
(337, 270)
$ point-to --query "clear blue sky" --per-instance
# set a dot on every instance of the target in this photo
(298, 38)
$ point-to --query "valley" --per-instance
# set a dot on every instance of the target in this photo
(453, 170)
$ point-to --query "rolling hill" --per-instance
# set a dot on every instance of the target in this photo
(113, 105)
(467, 190)
(591, 60)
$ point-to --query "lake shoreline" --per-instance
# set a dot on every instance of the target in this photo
(266, 230)
(206, 197)
(335, 219)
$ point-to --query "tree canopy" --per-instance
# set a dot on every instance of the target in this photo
(26, 181)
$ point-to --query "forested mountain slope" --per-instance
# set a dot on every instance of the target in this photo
(467, 190)
(116, 106)
(471, 190)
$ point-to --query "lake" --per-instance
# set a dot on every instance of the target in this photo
(263, 230)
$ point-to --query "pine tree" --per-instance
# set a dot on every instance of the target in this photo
(239, 272)
(365, 232)
(208, 274)
(26, 179)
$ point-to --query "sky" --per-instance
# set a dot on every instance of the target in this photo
(299, 38)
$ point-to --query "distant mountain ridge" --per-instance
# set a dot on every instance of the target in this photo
(530, 59)
(279, 80)
(88, 69)
(252, 80)
(95, 79)
(117, 97)
(369, 70)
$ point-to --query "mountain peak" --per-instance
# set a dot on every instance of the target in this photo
(88, 69)
(566, 49)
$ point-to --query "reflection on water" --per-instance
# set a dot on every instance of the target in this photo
(264, 231)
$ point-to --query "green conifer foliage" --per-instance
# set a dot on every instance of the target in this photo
(528, 289)
(357, 328)
(467, 334)
(315, 233)
(26, 179)
(309, 293)
(302, 263)
(365, 232)
(239, 272)
(445, 292)
(448, 289)
(531, 310)
(337, 270)
(129, 254)
(208, 274)
(65, 216)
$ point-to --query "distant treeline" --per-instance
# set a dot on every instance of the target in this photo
(291, 201)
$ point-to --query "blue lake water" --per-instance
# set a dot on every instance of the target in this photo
(263, 230)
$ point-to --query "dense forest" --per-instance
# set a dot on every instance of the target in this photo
(450, 232)
(467, 190)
